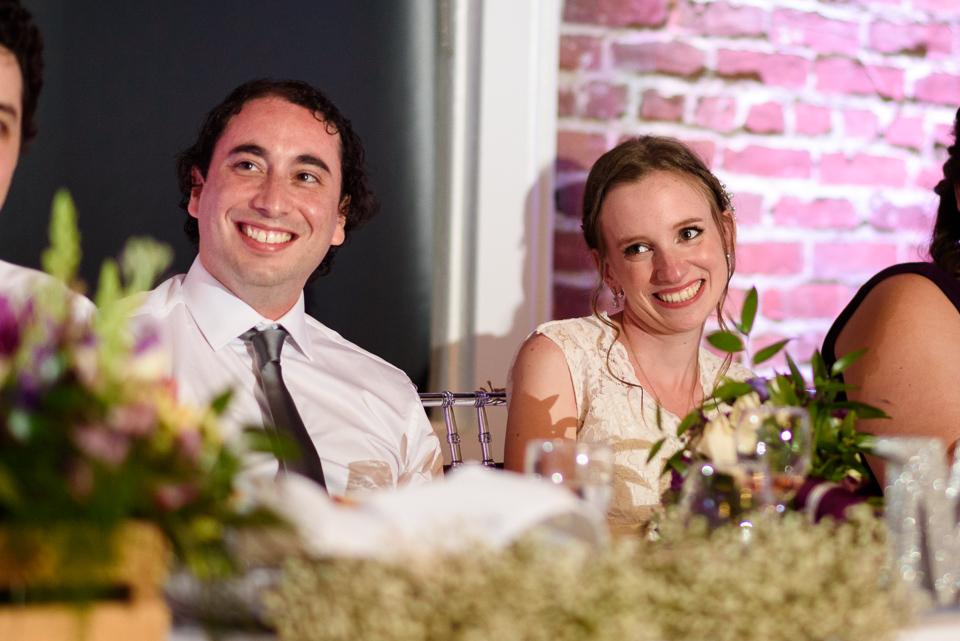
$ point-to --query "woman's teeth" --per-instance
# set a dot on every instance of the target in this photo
(682, 295)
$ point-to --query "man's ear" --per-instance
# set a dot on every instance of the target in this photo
(339, 234)
(197, 179)
(956, 193)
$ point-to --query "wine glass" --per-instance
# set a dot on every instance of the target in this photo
(781, 437)
(584, 468)
(726, 494)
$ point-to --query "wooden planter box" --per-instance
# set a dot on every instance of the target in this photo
(138, 572)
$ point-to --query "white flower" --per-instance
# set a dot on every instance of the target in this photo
(746, 431)
(718, 442)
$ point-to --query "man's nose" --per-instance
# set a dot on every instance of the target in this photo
(270, 196)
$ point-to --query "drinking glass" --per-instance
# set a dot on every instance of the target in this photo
(726, 494)
(584, 468)
(781, 437)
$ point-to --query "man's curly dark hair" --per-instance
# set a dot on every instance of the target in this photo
(362, 204)
(22, 38)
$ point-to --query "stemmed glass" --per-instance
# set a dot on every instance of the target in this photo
(584, 468)
(780, 437)
(725, 494)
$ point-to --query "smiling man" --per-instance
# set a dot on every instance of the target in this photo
(272, 188)
(21, 77)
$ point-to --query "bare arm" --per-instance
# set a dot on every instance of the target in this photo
(542, 402)
(912, 365)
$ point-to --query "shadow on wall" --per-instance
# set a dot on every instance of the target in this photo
(494, 353)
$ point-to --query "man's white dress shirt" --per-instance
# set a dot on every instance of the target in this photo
(18, 284)
(363, 414)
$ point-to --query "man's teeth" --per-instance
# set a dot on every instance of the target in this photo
(269, 237)
(682, 295)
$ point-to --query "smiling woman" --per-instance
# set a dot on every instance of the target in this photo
(661, 230)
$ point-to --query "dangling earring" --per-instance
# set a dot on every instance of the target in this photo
(728, 263)
(616, 297)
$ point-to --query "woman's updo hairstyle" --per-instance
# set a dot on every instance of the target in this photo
(632, 161)
(945, 244)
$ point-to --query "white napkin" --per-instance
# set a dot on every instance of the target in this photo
(473, 506)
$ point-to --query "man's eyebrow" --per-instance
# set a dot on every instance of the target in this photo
(257, 150)
(249, 148)
(307, 159)
(10, 109)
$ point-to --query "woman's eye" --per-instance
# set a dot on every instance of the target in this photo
(690, 233)
(636, 249)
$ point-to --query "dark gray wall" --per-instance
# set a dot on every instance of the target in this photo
(128, 84)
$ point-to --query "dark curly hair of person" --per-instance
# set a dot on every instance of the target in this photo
(22, 38)
(945, 244)
(354, 184)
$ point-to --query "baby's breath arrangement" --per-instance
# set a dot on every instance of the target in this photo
(783, 579)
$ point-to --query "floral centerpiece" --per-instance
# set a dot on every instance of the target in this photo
(710, 432)
(91, 435)
(784, 579)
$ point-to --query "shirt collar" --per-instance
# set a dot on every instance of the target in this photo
(221, 316)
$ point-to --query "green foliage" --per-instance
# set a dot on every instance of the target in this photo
(784, 579)
(769, 351)
(749, 312)
(839, 447)
(62, 259)
(726, 342)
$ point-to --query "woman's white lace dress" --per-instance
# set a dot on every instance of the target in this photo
(624, 416)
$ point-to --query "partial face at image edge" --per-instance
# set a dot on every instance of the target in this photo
(11, 114)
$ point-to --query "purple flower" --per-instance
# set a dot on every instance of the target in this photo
(840, 413)
(676, 482)
(28, 390)
(102, 444)
(9, 329)
(759, 385)
(87, 338)
(148, 338)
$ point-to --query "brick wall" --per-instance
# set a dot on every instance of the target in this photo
(827, 120)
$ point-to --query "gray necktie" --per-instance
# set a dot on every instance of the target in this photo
(267, 344)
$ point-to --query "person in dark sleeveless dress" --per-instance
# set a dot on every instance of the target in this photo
(907, 317)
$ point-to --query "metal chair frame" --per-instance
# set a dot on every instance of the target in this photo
(479, 400)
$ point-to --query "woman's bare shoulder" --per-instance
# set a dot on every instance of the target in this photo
(908, 309)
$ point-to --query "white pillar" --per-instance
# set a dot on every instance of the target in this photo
(494, 234)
